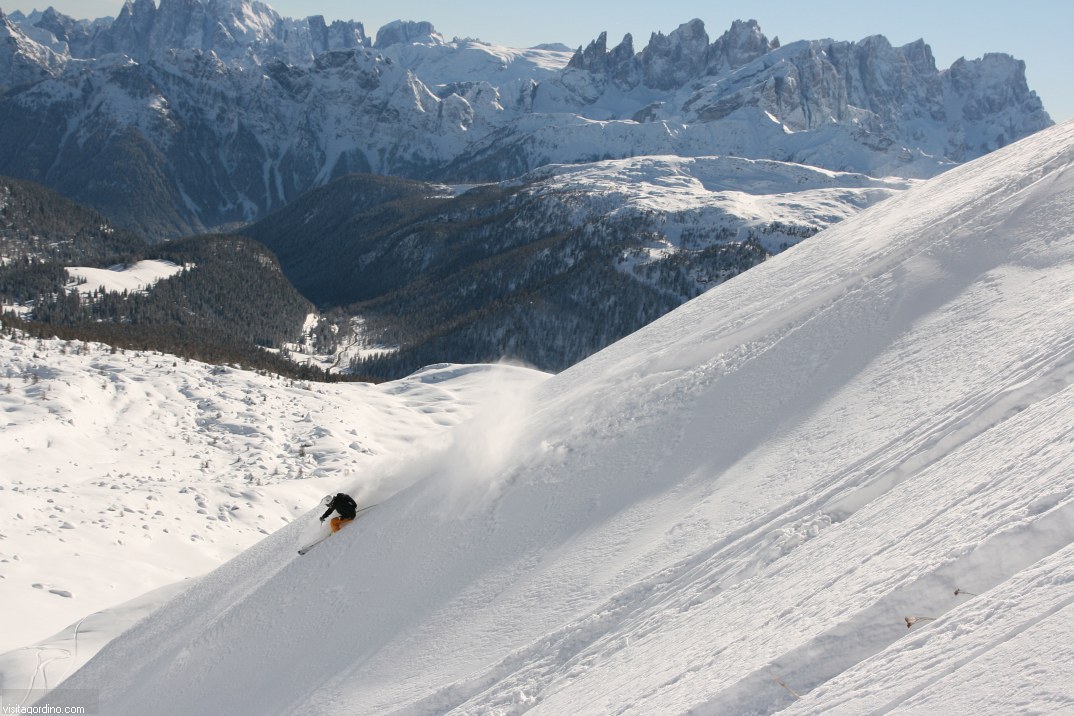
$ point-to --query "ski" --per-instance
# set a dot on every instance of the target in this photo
(311, 545)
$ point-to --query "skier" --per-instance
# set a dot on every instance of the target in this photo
(346, 507)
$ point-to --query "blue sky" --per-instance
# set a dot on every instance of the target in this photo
(1036, 31)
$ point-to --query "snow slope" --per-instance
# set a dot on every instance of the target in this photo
(739, 503)
(124, 472)
(136, 277)
(27, 670)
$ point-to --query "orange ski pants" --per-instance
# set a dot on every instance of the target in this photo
(338, 522)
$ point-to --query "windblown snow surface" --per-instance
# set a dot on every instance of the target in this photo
(732, 511)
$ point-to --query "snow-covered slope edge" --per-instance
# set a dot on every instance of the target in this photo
(760, 485)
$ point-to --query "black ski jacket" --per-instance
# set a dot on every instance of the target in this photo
(344, 505)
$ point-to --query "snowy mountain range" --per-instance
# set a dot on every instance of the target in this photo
(839, 483)
(194, 114)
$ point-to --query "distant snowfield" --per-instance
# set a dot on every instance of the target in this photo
(136, 277)
(701, 195)
(738, 509)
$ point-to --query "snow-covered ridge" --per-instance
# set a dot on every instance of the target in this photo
(711, 200)
(733, 510)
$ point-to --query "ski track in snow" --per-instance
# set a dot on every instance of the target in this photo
(659, 604)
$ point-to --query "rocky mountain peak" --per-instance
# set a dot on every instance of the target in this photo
(242, 30)
(594, 57)
(741, 44)
(620, 65)
(340, 35)
(670, 61)
(919, 55)
(129, 33)
(405, 31)
(994, 104)
(58, 24)
(673, 60)
(21, 58)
